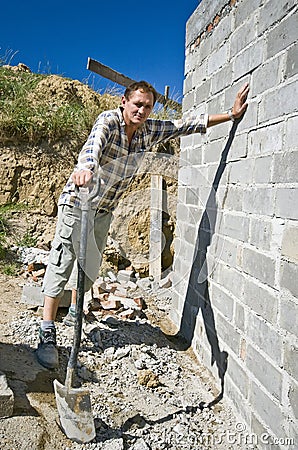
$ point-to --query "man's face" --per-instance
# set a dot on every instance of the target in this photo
(137, 108)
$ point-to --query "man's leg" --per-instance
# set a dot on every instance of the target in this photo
(60, 264)
(97, 239)
(47, 353)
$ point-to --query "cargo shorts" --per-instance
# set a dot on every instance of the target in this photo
(62, 265)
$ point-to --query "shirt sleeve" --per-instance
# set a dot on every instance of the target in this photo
(169, 129)
(91, 152)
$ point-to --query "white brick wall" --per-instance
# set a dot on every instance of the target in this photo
(237, 221)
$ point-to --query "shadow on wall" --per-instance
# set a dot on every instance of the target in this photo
(197, 295)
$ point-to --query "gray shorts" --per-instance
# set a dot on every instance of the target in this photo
(62, 266)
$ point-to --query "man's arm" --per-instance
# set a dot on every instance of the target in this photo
(236, 112)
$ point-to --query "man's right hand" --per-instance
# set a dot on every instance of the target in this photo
(82, 177)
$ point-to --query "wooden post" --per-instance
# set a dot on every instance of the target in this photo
(156, 212)
(155, 248)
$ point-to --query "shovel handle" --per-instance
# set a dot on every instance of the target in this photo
(81, 261)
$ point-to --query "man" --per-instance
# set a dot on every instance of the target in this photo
(109, 159)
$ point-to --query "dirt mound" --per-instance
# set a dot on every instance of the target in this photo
(58, 91)
(34, 173)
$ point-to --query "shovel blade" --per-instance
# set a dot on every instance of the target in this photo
(75, 414)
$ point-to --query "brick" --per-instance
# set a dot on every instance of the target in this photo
(227, 251)
(125, 275)
(288, 315)
(239, 376)
(218, 59)
(268, 375)
(266, 141)
(222, 32)
(249, 59)
(265, 77)
(285, 167)
(230, 278)
(262, 170)
(250, 117)
(236, 226)
(241, 171)
(227, 333)
(272, 12)
(233, 199)
(268, 410)
(287, 203)
(239, 402)
(289, 247)
(239, 318)
(291, 133)
(260, 233)
(259, 266)
(188, 101)
(292, 62)
(200, 74)
(245, 10)
(289, 277)
(215, 104)
(201, 17)
(202, 92)
(6, 398)
(220, 80)
(279, 102)
(188, 83)
(221, 132)
(222, 301)
(293, 398)
(259, 200)
(213, 152)
(263, 302)
(283, 35)
(243, 35)
(238, 148)
(291, 359)
(265, 337)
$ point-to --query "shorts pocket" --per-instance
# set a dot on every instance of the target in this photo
(67, 226)
(56, 253)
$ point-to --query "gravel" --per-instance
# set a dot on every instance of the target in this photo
(145, 393)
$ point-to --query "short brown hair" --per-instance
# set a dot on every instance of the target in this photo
(142, 86)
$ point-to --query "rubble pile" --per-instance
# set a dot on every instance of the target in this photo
(145, 393)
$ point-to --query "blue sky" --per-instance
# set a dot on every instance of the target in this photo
(143, 40)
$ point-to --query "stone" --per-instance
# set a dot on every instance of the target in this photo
(32, 295)
(6, 397)
(148, 378)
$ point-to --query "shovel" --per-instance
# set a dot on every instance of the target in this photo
(74, 405)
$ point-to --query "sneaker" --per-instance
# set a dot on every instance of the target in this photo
(70, 318)
(47, 353)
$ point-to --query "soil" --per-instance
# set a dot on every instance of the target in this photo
(135, 407)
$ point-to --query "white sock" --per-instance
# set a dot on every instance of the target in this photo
(46, 324)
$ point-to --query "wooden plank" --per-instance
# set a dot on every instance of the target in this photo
(123, 80)
(156, 238)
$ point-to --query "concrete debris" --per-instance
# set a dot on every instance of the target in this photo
(145, 394)
(6, 397)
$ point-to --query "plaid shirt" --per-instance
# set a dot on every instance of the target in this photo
(114, 161)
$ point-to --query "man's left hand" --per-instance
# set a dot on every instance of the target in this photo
(240, 103)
